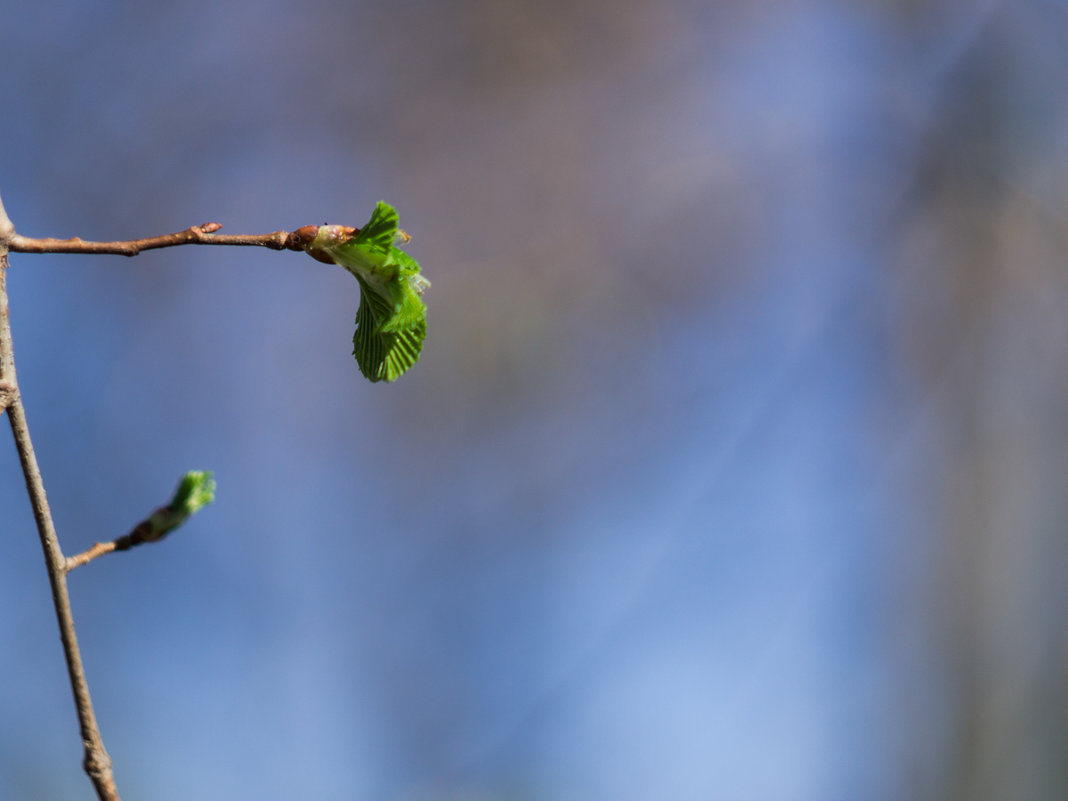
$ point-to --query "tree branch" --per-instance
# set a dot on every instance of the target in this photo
(97, 763)
(123, 543)
(194, 491)
(194, 235)
(88, 555)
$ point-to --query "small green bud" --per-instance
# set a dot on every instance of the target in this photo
(195, 491)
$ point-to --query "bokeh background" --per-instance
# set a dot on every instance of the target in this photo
(735, 466)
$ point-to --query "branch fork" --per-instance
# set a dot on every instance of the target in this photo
(8, 393)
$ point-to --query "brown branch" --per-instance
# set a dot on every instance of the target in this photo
(96, 761)
(141, 533)
(194, 235)
(87, 556)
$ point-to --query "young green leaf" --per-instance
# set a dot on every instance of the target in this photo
(391, 319)
(195, 491)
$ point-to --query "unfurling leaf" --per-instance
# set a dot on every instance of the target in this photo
(391, 319)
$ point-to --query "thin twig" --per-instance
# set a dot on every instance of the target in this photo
(87, 556)
(140, 534)
(97, 763)
(194, 235)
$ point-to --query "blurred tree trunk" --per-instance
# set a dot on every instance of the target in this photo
(985, 269)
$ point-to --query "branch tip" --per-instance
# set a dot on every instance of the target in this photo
(195, 491)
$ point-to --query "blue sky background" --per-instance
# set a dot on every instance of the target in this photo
(729, 300)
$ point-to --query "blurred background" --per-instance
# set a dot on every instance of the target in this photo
(735, 464)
